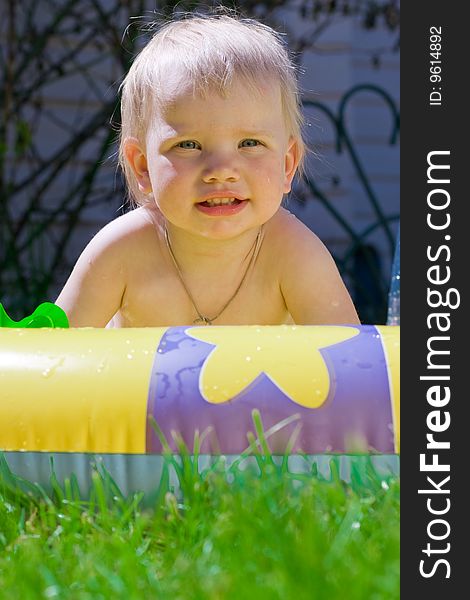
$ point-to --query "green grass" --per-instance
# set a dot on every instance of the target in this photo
(241, 533)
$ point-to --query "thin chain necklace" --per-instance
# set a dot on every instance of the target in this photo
(200, 317)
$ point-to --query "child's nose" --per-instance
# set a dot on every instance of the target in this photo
(220, 168)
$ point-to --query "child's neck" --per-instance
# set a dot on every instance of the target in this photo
(207, 254)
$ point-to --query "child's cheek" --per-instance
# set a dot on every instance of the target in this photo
(164, 172)
(270, 171)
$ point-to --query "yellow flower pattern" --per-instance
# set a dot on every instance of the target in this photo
(289, 355)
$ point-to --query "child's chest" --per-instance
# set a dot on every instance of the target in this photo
(160, 298)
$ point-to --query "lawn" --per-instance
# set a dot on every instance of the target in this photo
(254, 532)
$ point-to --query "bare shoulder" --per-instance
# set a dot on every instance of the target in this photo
(292, 238)
(310, 283)
(123, 243)
(95, 289)
(135, 227)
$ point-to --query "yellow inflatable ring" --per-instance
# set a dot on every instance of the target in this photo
(100, 391)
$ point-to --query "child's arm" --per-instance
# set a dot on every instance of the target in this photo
(94, 290)
(311, 285)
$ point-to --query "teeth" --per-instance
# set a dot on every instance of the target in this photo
(219, 201)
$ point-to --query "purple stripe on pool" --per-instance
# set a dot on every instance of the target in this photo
(356, 415)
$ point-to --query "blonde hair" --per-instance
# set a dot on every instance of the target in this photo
(211, 50)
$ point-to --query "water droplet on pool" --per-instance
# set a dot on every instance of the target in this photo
(129, 356)
(100, 368)
(258, 348)
(248, 358)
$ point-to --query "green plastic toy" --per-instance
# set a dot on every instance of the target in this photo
(46, 314)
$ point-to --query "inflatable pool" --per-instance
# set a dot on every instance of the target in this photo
(119, 394)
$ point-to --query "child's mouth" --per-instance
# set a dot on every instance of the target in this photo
(221, 206)
(220, 202)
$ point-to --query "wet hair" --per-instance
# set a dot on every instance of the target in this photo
(210, 51)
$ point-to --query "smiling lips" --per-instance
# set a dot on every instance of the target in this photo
(222, 206)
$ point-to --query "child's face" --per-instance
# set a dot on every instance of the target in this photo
(200, 150)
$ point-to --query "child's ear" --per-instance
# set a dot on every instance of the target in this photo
(137, 160)
(291, 162)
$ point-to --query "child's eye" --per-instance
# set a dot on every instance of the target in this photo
(250, 143)
(189, 145)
